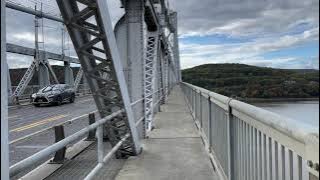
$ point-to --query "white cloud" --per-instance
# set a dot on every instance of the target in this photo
(244, 17)
(272, 21)
(247, 52)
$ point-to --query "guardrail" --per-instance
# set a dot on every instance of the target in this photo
(248, 143)
(50, 128)
(94, 131)
(45, 153)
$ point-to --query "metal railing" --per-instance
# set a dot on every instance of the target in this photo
(248, 143)
(45, 153)
(56, 147)
(71, 121)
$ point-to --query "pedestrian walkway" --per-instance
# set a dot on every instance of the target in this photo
(174, 149)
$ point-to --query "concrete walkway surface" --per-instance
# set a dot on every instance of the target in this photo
(174, 149)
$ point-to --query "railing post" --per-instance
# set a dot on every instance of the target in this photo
(230, 137)
(210, 123)
(92, 133)
(59, 156)
(17, 100)
(200, 96)
(195, 104)
(100, 144)
(192, 101)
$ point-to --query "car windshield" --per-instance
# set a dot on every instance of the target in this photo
(51, 88)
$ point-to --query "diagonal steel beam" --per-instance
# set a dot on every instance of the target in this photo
(98, 78)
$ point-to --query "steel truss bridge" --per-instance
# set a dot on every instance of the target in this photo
(150, 122)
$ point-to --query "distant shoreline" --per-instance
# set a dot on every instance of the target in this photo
(257, 100)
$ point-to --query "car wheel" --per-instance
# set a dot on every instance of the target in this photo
(59, 100)
(72, 98)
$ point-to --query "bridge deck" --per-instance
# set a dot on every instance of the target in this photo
(173, 151)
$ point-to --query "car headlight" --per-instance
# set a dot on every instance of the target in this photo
(33, 95)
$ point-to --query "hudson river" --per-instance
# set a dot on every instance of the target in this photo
(305, 113)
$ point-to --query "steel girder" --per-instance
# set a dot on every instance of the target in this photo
(162, 75)
(25, 80)
(41, 64)
(151, 54)
(28, 75)
(90, 29)
(4, 100)
(78, 78)
(17, 49)
(166, 76)
(9, 83)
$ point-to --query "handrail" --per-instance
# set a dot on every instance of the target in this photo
(244, 132)
(274, 120)
(49, 128)
(70, 122)
(16, 168)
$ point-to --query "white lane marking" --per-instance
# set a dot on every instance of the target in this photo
(10, 117)
(35, 133)
(38, 123)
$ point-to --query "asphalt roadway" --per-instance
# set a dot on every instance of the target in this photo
(28, 119)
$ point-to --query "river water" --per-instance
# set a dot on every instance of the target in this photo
(303, 113)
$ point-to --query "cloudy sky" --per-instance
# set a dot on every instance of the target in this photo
(272, 33)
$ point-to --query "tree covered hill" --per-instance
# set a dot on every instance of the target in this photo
(244, 81)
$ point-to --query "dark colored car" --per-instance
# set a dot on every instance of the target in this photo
(54, 94)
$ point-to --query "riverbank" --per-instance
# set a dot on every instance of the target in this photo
(262, 100)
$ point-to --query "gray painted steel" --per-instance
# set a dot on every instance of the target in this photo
(4, 100)
(134, 17)
(13, 48)
(44, 78)
(32, 11)
(78, 78)
(151, 55)
(16, 168)
(106, 77)
(250, 143)
(9, 85)
(68, 74)
(103, 72)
